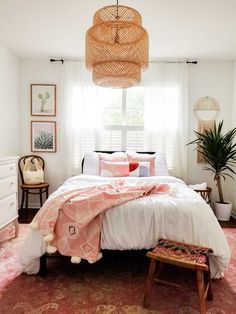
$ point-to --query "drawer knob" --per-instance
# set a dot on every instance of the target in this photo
(12, 203)
(12, 183)
(11, 168)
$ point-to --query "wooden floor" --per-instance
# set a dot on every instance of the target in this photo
(228, 224)
(27, 217)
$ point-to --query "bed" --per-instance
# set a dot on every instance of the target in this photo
(181, 214)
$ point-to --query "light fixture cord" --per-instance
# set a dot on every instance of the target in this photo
(117, 4)
(117, 18)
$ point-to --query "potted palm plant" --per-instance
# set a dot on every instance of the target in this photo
(219, 152)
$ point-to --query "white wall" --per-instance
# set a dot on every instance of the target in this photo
(37, 72)
(213, 79)
(9, 113)
(233, 125)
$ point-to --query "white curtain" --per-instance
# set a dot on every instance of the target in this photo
(166, 96)
(83, 104)
(80, 117)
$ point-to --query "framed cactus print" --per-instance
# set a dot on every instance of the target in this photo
(43, 136)
(43, 99)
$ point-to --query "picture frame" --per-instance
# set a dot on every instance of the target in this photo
(43, 136)
(43, 99)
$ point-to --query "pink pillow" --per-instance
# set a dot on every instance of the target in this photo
(114, 169)
(117, 156)
(124, 169)
(136, 157)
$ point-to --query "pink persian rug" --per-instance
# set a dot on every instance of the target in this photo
(114, 285)
(9, 254)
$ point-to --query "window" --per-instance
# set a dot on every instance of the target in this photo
(123, 120)
(139, 118)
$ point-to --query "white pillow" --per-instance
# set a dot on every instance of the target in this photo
(200, 186)
(160, 164)
(91, 164)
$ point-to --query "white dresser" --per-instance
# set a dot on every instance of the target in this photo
(9, 192)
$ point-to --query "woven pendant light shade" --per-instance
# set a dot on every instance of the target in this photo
(116, 47)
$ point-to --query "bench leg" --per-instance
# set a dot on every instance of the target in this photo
(209, 295)
(201, 291)
(148, 283)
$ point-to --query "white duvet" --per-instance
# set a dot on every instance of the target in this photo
(181, 215)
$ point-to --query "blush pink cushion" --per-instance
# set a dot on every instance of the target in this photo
(117, 156)
(114, 169)
(114, 157)
(124, 169)
(136, 157)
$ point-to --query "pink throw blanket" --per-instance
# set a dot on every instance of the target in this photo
(71, 222)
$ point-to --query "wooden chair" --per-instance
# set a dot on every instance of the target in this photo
(205, 194)
(181, 255)
(27, 189)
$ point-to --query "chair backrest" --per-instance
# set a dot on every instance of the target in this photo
(22, 160)
(205, 194)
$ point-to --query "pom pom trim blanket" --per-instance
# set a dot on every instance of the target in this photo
(71, 221)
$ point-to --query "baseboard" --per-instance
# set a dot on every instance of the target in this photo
(233, 215)
(32, 206)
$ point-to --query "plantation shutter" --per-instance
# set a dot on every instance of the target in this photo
(139, 119)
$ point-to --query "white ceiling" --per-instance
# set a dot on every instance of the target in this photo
(201, 29)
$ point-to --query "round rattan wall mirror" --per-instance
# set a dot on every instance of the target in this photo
(206, 109)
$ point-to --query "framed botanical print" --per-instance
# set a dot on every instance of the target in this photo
(43, 99)
(43, 136)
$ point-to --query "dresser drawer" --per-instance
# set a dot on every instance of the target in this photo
(8, 209)
(7, 170)
(8, 186)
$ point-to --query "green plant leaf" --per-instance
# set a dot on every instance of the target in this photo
(43, 141)
(219, 151)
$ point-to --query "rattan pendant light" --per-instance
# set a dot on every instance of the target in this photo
(116, 47)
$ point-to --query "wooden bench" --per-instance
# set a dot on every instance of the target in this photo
(182, 255)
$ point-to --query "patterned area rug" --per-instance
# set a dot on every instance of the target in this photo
(9, 254)
(114, 285)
